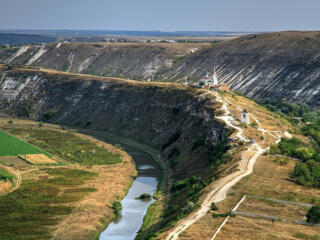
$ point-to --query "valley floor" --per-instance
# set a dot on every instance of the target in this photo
(85, 200)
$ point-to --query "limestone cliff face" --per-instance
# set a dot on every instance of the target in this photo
(158, 114)
(283, 65)
(129, 60)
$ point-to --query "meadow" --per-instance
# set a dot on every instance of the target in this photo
(12, 146)
(31, 211)
(66, 145)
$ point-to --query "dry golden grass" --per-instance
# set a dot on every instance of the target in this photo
(111, 185)
(4, 186)
(37, 159)
(268, 208)
(269, 180)
(267, 120)
(252, 228)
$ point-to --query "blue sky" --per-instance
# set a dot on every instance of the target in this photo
(166, 15)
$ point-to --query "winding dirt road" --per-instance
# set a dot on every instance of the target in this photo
(18, 179)
(219, 193)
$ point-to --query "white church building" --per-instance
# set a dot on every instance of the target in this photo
(210, 80)
(245, 118)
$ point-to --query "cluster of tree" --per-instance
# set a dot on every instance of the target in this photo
(187, 192)
(282, 107)
(306, 172)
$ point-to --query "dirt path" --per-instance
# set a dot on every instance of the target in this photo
(18, 179)
(222, 186)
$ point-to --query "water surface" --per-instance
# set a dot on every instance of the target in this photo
(133, 210)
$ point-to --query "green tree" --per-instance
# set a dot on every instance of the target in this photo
(313, 215)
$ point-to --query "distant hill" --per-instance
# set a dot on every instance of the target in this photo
(281, 65)
(15, 39)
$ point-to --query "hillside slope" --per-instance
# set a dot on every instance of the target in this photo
(282, 65)
(161, 115)
(129, 60)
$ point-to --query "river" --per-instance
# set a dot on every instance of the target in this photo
(134, 210)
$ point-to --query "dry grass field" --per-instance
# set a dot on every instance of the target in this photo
(82, 195)
(37, 159)
(270, 179)
(4, 186)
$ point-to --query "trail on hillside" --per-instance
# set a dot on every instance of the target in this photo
(222, 186)
(17, 183)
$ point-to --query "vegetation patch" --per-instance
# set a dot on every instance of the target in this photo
(12, 146)
(186, 192)
(6, 176)
(313, 215)
(68, 146)
(144, 197)
(31, 211)
(117, 208)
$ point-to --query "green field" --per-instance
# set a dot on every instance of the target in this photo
(5, 174)
(67, 146)
(12, 146)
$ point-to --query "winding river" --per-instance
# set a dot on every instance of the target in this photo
(134, 210)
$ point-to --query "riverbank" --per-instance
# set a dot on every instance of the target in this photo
(72, 200)
(153, 217)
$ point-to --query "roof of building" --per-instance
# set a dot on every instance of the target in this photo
(245, 111)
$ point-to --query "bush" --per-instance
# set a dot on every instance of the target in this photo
(217, 215)
(144, 197)
(253, 124)
(117, 208)
(313, 215)
(214, 206)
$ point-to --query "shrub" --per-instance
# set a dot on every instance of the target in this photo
(313, 215)
(117, 208)
(144, 197)
(214, 206)
(253, 124)
(217, 215)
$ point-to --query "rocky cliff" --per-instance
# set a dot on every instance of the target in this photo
(163, 115)
(282, 65)
(130, 60)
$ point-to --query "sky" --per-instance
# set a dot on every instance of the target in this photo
(163, 15)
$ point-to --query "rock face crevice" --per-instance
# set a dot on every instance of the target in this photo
(164, 116)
